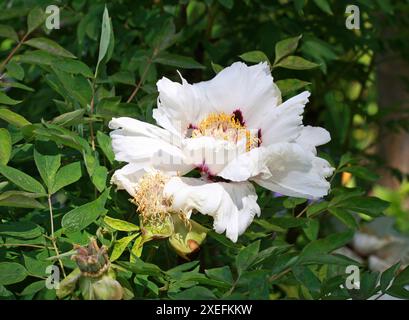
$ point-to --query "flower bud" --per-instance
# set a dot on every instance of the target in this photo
(92, 260)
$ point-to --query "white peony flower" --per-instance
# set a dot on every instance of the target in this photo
(234, 129)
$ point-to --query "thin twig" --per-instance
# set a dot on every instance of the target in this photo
(142, 79)
(276, 276)
(52, 234)
(301, 213)
(11, 54)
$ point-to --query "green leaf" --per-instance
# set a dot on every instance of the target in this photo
(286, 47)
(402, 279)
(106, 43)
(247, 256)
(176, 60)
(20, 229)
(371, 206)
(99, 177)
(316, 208)
(388, 275)
(327, 245)
(254, 56)
(5, 143)
(216, 67)
(13, 118)
(125, 77)
(306, 277)
(8, 32)
(16, 85)
(311, 229)
(104, 142)
(398, 287)
(81, 217)
(296, 63)
(14, 70)
(21, 179)
(141, 267)
(35, 18)
(194, 293)
(20, 199)
(324, 6)
(227, 3)
(5, 99)
(120, 245)
(48, 166)
(67, 175)
(326, 259)
(221, 274)
(11, 272)
(73, 66)
(69, 118)
(33, 288)
(120, 225)
(68, 284)
(288, 86)
(137, 248)
(291, 202)
(77, 87)
(49, 46)
(345, 217)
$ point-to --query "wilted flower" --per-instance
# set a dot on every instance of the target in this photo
(159, 218)
(94, 275)
(234, 129)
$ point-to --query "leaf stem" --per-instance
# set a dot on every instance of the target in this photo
(91, 124)
(52, 234)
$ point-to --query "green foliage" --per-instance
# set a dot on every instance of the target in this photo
(61, 87)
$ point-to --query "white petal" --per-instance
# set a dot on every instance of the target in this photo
(211, 154)
(232, 205)
(144, 144)
(179, 105)
(312, 137)
(246, 166)
(284, 123)
(238, 87)
(250, 89)
(295, 171)
(127, 178)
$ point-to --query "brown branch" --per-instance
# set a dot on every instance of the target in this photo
(142, 79)
(15, 49)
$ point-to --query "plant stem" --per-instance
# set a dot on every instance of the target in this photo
(302, 211)
(142, 79)
(11, 54)
(91, 124)
(52, 233)
(276, 276)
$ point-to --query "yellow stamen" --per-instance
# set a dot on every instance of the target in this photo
(225, 127)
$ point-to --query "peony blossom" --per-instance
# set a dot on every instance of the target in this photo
(234, 129)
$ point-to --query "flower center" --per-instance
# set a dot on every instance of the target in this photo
(229, 127)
